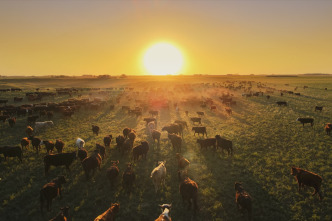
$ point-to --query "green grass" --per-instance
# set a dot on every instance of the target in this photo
(267, 142)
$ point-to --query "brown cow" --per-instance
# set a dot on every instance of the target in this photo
(188, 189)
(243, 199)
(113, 172)
(50, 191)
(164, 216)
(306, 178)
(109, 215)
(182, 162)
(328, 128)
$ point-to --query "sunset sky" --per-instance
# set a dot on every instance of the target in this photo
(214, 37)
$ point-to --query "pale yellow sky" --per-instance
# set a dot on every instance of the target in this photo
(215, 37)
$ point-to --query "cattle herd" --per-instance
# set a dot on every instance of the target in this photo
(42, 116)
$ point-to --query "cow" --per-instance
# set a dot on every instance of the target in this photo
(151, 126)
(82, 154)
(318, 108)
(95, 129)
(42, 125)
(80, 143)
(119, 142)
(213, 107)
(328, 128)
(3, 118)
(158, 175)
(29, 131)
(60, 159)
(11, 151)
(12, 121)
(36, 142)
(18, 99)
(101, 149)
(127, 145)
(305, 120)
(32, 119)
(128, 177)
(165, 210)
(176, 141)
(50, 191)
(150, 119)
(200, 113)
(49, 145)
(224, 144)
(109, 215)
(205, 143)
(307, 178)
(196, 119)
(182, 162)
(156, 136)
(91, 163)
(228, 110)
(188, 189)
(25, 142)
(141, 149)
(59, 144)
(243, 199)
(63, 215)
(112, 172)
(108, 140)
(199, 130)
(282, 103)
(182, 122)
(173, 129)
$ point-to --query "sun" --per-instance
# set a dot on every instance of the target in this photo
(163, 58)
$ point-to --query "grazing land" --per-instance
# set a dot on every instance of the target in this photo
(267, 142)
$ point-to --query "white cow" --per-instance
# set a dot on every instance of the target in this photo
(151, 126)
(80, 143)
(42, 125)
(158, 175)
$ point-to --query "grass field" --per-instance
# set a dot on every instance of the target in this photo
(267, 141)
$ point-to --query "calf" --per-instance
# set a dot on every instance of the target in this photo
(141, 149)
(59, 144)
(188, 189)
(305, 120)
(91, 163)
(182, 162)
(128, 177)
(243, 199)
(112, 172)
(109, 215)
(158, 175)
(11, 151)
(306, 178)
(50, 191)
(95, 129)
(164, 216)
(25, 142)
(328, 128)
(224, 145)
(176, 141)
(196, 119)
(60, 159)
(199, 130)
(108, 140)
(205, 143)
(12, 121)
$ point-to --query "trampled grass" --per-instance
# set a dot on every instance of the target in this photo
(267, 141)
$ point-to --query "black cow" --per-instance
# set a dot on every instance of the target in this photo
(205, 143)
(306, 120)
(199, 130)
(224, 145)
(11, 151)
(318, 108)
(282, 103)
(196, 119)
(60, 159)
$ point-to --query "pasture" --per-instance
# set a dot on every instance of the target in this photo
(267, 142)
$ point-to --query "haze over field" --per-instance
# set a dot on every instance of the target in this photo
(214, 37)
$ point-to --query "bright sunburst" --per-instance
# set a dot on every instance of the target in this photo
(162, 59)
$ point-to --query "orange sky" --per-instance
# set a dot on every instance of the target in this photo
(215, 37)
